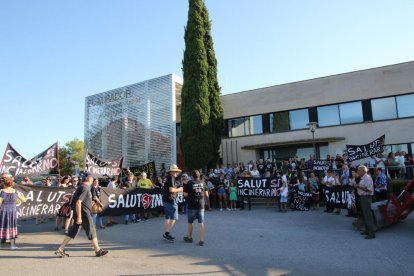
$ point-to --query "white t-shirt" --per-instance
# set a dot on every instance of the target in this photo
(111, 185)
(285, 190)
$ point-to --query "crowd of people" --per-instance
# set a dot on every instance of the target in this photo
(216, 189)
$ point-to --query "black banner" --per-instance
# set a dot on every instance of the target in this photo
(258, 187)
(356, 152)
(320, 165)
(42, 200)
(120, 202)
(100, 168)
(43, 163)
(300, 201)
(149, 168)
(339, 197)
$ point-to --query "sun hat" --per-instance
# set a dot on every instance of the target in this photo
(174, 168)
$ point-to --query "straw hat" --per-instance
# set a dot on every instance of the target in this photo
(174, 168)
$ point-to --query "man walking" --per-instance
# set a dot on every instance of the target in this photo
(82, 203)
(365, 190)
(168, 198)
(196, 191)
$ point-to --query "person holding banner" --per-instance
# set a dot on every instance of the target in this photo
(170, 205)
(127, 185)
(365, 190)
(8, 212)
(81, 204)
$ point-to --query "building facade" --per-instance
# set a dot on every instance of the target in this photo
(137, 122)
(352, 108)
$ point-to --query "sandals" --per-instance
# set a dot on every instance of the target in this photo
(61, 253)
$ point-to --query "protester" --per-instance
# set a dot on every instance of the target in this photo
(328, 181)
(221, 193)
(82, 203)
(365, 190)
(381, 183)
(129, 184)
(144, 183)
(182, 207)
(62, 214)
(113, 184)
(74, 182)
(26, 181)
(96, 195)
(284, 192)
(8, 213)
(195, 192)
(233, 196)
(314, 189)
(170, 206)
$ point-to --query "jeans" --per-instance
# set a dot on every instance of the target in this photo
(127, 217)
(100, 219)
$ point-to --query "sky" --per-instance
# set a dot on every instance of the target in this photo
(53, 54)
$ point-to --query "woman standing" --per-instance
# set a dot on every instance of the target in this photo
(8, 213)
(96, 194)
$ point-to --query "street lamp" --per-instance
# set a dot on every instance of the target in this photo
(312, 128)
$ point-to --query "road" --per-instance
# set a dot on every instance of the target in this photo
(258, 242)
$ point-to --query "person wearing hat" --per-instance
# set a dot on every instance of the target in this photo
(168, 198)
(82, 203)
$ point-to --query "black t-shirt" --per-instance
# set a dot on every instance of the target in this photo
(167, 195)
(261, 168)
(82, 193)
(196, 193)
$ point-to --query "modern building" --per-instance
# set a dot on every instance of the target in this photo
(141, 122)
(352, 108)
(137, 122)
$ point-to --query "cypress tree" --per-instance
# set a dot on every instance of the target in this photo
(196, 129)
(216, 110)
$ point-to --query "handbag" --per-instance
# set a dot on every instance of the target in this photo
(1, 199)
(96, 208)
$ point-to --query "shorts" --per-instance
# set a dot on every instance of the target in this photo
(87, 225)
(193, 214)
(171, 210)
(283, 199)
(221, 192)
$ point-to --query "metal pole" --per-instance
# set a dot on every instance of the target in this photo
(313, 141)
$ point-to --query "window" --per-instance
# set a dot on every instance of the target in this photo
(256, 125)
(279, 121)
(236, 127)
(405, 105)
(245, 126)
(328, 115)
(299, 119)
(383, 109)
(351, 113)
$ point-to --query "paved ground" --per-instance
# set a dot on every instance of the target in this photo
(258, 242)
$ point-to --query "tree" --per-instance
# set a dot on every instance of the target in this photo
(69, 155)
(196, 127)
(216, 110)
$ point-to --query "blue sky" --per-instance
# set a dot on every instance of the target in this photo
(53, 54)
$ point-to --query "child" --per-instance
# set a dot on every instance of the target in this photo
(233, 196)
(284, 190)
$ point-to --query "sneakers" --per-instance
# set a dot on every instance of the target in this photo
(221, 209)
(168, 237)
(13, 247)
(188, 239)
(61, 253)
(201, 243)
(101, 252)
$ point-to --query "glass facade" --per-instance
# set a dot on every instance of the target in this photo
(136, 122)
